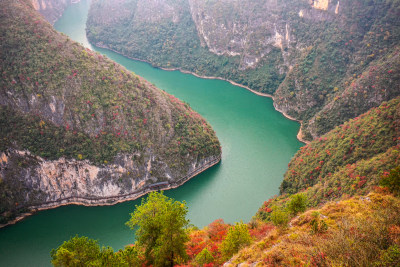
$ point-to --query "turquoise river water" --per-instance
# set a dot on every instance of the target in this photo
(257, 144)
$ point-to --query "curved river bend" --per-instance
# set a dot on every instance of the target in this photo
(257, 144)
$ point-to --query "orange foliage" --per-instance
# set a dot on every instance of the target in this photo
(217, 230)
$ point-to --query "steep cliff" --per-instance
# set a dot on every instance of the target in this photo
(306, 53)
(51, 9)
(77, 127)
(135, 28)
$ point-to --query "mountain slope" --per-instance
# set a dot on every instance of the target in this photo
(349, 159)
(77, 127)
(350, 220)
(360, 231)
(313, 56)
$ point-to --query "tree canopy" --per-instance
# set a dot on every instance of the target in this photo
(160, 224)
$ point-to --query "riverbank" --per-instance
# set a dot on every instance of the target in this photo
(299, 135)
(113, 200)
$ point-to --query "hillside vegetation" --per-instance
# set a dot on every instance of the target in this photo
(359, 231)
(324, 61)
(339, 206)
(349, 159)
(60, 100)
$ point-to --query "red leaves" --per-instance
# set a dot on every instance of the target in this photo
(362, 182)
(196, 243)
(260, 231)
(217, 230)
(268, 210)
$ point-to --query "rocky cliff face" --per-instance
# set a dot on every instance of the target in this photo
(305, 52)
(78, 128)
(50, 9)
(237, 28)
(41, 183)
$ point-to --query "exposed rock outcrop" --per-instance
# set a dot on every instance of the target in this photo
(40, 183)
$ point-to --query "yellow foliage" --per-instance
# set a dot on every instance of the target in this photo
(369, 216)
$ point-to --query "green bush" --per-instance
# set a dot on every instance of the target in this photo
(204, 257)
(279, 217)
(238, 236)
(297, 203)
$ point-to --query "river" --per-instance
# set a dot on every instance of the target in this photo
(257, 144)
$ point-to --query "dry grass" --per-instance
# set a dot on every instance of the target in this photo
(359, 230)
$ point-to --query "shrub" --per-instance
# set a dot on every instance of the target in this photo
(318, 226)
(238, 236)
(297, 203)
(204, 257)
(279, 217)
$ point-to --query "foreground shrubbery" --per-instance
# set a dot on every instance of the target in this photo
(163, 239)
(359, 231)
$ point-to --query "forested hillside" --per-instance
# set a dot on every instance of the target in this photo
(77, 127)
(316, 57)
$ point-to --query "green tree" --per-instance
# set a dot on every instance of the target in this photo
(78, 251)
(160, 224)
(238, 236)
(132, 255)
(204, 257)
(297, 203)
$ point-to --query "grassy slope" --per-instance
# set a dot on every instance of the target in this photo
(361, 231)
